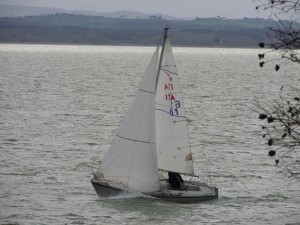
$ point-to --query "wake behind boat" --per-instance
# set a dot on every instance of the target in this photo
(152, 147)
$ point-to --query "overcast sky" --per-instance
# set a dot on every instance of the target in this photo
(177, 8)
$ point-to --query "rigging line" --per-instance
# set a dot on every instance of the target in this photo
(168, 71)
(151, 92)
(175, 93)
(169, 113)
(147, 142)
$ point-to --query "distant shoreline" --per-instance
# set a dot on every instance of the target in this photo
(122, 45)
(97, 30)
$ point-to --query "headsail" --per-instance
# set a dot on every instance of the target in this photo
(131, 158)
(173, 145)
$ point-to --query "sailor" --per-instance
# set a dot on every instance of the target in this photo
(175, 180)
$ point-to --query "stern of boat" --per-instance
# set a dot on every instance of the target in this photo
(191, 192)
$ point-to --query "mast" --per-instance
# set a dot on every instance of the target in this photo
(162, 53)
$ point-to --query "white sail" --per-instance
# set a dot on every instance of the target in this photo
(173, 145)
(131, 158)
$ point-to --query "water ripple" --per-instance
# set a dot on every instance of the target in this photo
(60, 106)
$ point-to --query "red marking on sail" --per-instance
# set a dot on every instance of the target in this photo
(170, 97)
(168, 86)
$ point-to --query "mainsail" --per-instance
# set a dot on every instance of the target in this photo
(172, 140)
(131, 158)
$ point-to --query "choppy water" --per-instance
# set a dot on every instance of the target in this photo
(60, 105)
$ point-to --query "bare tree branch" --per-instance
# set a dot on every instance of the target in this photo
(282, 129)
(284, 36)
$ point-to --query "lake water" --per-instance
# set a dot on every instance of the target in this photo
(61, 104)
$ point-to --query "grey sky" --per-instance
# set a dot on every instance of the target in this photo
(177, 8)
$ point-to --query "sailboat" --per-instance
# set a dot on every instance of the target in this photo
(152, 144)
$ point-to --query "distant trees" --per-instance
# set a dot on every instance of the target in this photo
(68, 28)
(282, 126)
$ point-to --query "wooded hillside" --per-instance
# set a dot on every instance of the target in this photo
(80, 29)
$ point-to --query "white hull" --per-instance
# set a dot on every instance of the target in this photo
(192, 192)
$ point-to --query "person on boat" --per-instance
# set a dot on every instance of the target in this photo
(175, 180)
